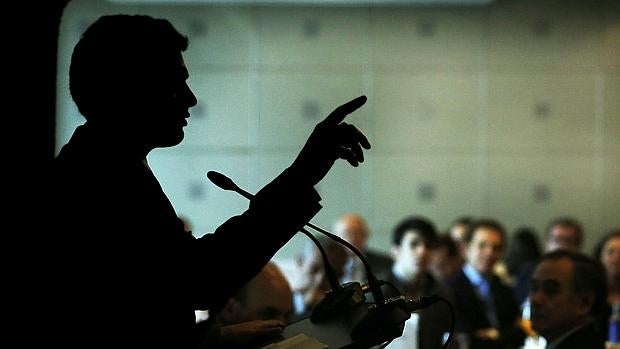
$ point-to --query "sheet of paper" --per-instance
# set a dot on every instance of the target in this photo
(300, 341)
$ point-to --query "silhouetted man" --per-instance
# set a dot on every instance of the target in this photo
(123, 272)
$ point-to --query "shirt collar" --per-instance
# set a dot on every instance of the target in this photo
(473, 275)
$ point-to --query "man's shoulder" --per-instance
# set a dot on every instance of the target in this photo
(380, 263)
(585, 337)
(438, 288)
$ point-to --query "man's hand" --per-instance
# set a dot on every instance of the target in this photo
(330, 140)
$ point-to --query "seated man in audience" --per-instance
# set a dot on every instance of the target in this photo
(353, 228)
(312, 284)
(567, 289)
(486, 311)
(412, 240)
(446, 259)
(258, 312)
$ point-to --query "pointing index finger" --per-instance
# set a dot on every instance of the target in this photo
(336, 116)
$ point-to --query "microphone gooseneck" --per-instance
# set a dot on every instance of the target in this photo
(389, 314)
(226, 183)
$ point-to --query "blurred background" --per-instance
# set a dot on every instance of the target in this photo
(500, 109)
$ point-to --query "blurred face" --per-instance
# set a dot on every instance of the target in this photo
(353, 229)
(555, 306)
(313, 282)
(412, 255)
(610, 257)
(484, 249)
(562, 237)
(442, 265)
(311, 271)
(161, 106)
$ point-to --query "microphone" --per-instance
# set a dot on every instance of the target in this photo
(226, 183)
(374, 285)
(381, 322)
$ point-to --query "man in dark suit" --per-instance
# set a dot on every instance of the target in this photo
(413, 240)
(486, 312)
(567, 291)
(121, 270)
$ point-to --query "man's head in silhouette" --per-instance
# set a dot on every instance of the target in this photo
(128, 79)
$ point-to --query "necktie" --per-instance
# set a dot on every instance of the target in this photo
(486, 297)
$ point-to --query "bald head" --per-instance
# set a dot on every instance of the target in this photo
(352, 228)
(268, 296)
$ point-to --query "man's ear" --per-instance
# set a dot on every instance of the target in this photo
(230, 312)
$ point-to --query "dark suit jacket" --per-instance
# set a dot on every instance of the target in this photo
(587, 337)
(435, 320)
(471, 316)
(380, 263)
(121, 270)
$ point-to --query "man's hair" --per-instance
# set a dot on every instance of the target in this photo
(116, 49)
(568, 222)
(488, 224)
(588, 276)
(421, 225)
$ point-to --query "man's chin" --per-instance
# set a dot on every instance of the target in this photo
(171, 140)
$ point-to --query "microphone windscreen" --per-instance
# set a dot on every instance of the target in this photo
(221, 181)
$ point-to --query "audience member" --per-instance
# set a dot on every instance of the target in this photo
(486, 311)
(607, 251)
(313, 283)
(567, 290)
(258, 311)
(117, 243)
(446, 259)
(564, 233)
(457, 231)
(353, 228)
(412, 241)
(521, 258)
